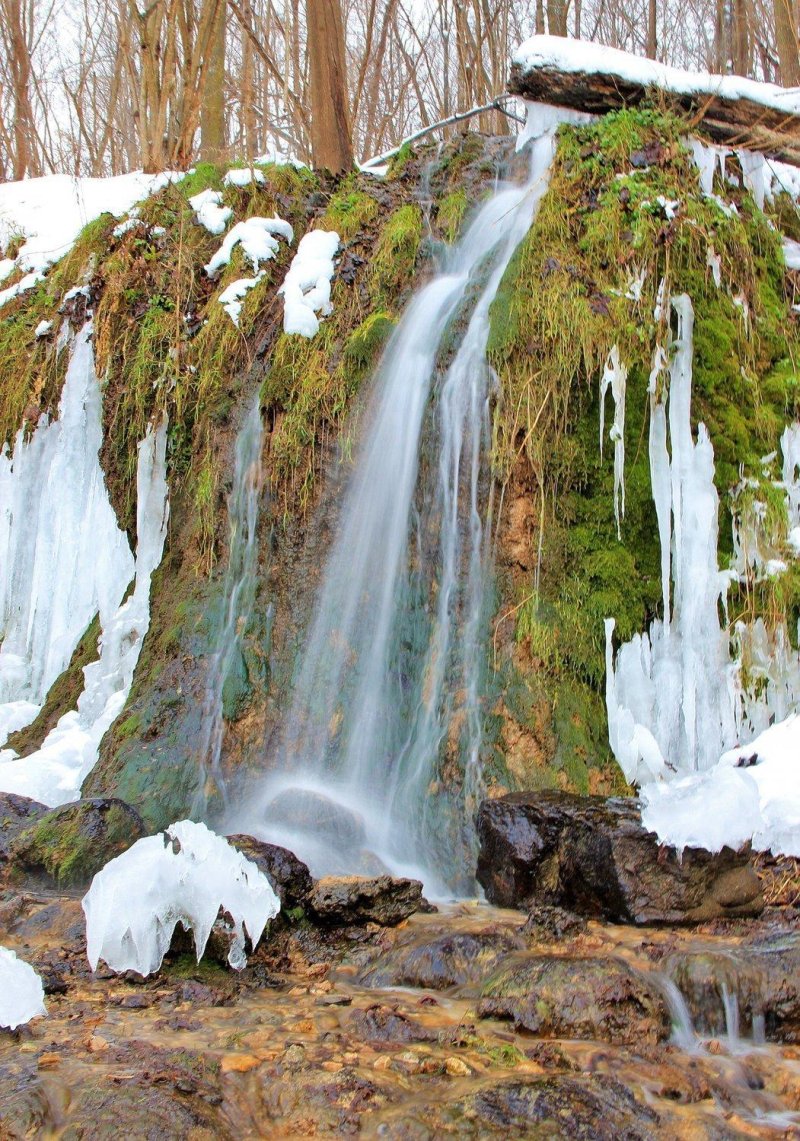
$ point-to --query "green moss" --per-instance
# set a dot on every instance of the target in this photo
(350, 211)
(362, 347)
(450, 214)
(399, 162)
(72, 843)
(396, 253)
(202, 176)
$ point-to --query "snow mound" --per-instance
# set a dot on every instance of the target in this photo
(21, 991)
(572, 56)
(258, 238)
(184, 874)
(755, 792)
(307, 286)
(50, 212)
(210, 212)
(243, 176)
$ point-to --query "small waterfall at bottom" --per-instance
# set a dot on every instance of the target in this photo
(238, 598)
(391, 671)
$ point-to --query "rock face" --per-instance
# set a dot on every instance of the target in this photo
(436, 964)
(73, 842)
(558, 997)
(592, 856)
(343, 901)
(16, 814)
(288, 875)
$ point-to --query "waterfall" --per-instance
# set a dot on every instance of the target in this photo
(238, 598)
(390, 675)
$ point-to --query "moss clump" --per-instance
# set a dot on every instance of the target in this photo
(396, 253)
(450, 214)
(350, 211)
(624, 207)
(72, 843)
(362, 347)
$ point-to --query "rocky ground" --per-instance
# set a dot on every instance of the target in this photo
(365, 1010)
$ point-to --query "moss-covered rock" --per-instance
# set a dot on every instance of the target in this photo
(72, 843)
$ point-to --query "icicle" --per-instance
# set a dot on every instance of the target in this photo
(615, 376)
(707, 159)
(714, 263)
(753, 173)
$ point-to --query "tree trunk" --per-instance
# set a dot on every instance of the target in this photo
(652, 29)
(786, 41)
(212, 110)
(331, 140)
(741, 38)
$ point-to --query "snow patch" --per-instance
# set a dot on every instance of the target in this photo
(306, 288)
(258, 238)
(210, 212)
(791, 253)
(232, 298)
(243, 176)
(21, 991)
(184, 874)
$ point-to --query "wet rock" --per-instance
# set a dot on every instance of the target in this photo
(305, 811)
(450, 960)
(288, 875)
(592, 856)
(574, 997)
(61, 921)
(383, 1025)
(585, 1108)
(70, 844)
(16, 814)
(342, 901)
(548, 923)
(752, 989)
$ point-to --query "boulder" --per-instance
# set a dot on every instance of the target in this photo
(70, 844)
(594, 857)
(345, 901)
(16, 814)
(558, 996)
(288, 875)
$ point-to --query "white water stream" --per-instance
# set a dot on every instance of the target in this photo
(394, 656)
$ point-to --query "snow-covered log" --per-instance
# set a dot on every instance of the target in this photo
(738, 112)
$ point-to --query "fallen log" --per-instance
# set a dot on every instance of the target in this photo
(732, 111)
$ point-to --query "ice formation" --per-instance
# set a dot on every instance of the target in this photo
(259, 242)
(615, 376)
(54, 773)
(21, 991)
(572, 56)
(63, 558)
(184, 874)
(306, 288)
(210, 212)
(232, 298)
(671, 695)
(677, 709)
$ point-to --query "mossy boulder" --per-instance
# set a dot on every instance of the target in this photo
(72, 843)
(16, 814)
(559, 996)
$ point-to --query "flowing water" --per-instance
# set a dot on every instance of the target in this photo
(238, 597)
(390, 679)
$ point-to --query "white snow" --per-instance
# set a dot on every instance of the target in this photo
(63, 558)
(259, 241)
(232, 298)
(572, 56)
(243, 176)
(306, 288)
(542, 118)
(21, 991)
(615, 376)
(51, 211)
(54, 773)
(210, 212)
(24, 285)
(791, 253)
(184, 874)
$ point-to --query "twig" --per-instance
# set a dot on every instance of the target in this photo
(495, 105)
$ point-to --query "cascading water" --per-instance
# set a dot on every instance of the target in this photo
(392, 665)
(238, 597)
